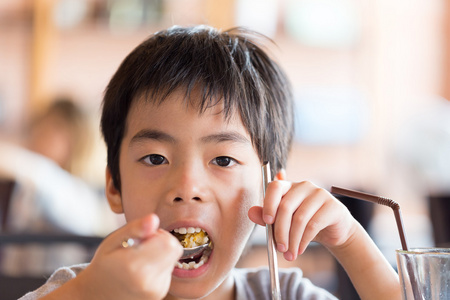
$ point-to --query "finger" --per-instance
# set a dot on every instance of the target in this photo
(274, 192)
(150, 224)
(137, 230)
(282, 226)
(300, 219)
(317, 223)
(162, 248)
(150, 264)
(255, 214)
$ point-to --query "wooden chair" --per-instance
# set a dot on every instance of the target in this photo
(6, 190)
(13, 287)
(439, 206)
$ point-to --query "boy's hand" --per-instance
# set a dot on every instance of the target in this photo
(301, 213)
(142, 271)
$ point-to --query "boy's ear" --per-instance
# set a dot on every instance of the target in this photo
(113, 194)
(281, 175)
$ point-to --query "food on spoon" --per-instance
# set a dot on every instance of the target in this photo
(191, 237)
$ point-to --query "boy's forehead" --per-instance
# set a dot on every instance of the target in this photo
(179, 100)
(188, 100)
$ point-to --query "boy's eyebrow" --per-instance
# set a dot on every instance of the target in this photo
(151, 134)
(225, 137)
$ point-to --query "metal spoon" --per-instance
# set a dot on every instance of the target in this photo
(191, 252)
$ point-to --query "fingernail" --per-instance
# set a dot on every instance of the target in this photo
(288, 256)
(300, 251)
(268, 219)
(281, 247)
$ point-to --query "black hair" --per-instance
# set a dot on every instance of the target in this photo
(227, 66)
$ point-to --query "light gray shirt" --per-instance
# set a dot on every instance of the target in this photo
(254, 284)
(251, 284)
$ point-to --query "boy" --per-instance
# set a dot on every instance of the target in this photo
(188, 119)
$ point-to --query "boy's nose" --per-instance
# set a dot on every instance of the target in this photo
(186, 185)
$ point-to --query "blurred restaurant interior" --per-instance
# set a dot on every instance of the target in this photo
(371, 82)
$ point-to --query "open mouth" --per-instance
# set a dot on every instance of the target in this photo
(191, 237)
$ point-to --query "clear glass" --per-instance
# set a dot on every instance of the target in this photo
(424, 273)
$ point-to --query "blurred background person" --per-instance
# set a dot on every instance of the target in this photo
(60, 133)
(47, 197)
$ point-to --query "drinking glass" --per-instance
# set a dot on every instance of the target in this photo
(424, 273)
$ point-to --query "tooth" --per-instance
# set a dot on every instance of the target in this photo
(176, 230)
(190, 230)
(198, 265)
(198, 229)
(182, 230)
(193, 265)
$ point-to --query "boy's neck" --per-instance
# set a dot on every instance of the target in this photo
(225, 291)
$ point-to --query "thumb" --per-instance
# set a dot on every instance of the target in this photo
(255, 214)
(137, 230)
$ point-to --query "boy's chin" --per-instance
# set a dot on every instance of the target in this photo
(190, 293)
(197, 290)
(206, 282)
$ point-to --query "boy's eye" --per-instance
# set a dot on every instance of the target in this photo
(154, 159)
(224, 161)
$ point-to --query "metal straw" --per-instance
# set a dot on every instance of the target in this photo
(273, 264)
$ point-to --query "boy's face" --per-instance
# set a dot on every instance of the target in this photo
(192, 170)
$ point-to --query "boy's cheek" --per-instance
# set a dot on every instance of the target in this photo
(248, 200)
